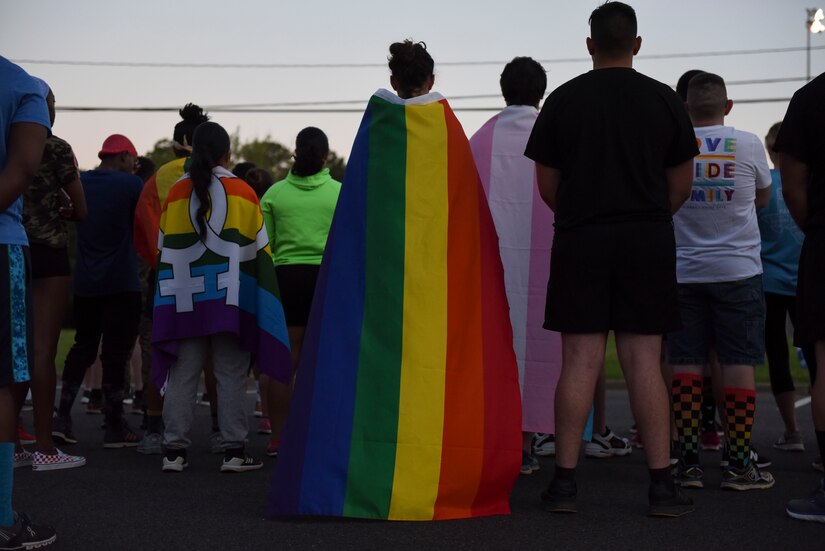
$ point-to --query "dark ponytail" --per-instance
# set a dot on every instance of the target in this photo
(210, 143)
(311, 149)
(411, 65)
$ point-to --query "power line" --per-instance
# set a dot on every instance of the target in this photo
(304, 110)
(186, 65)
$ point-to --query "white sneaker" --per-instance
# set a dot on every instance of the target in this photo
(174, 465)
(608, 445)
(238, 464)
(790, 442)
(545, 445)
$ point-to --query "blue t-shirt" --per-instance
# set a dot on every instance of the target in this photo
(106, 260)
(781, 242)
(21, 100)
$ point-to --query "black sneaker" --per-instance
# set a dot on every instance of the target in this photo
(62, 430)
(688, 476)
(238, 461)
(122, 437)
(667, 500)
(24, 535)
(560, 496)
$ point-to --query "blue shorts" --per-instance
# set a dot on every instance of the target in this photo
(727, 316)
(15, 316)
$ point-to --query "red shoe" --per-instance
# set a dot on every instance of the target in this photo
(265, 427)
(272, 448)
(23, 436)
(709, 440)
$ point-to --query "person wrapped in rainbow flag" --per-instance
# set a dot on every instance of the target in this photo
(216, 290)
(407, 373)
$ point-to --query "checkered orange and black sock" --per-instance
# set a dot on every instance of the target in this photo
(740, 409)
(686, 391)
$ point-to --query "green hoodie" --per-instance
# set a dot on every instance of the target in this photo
(298, 212)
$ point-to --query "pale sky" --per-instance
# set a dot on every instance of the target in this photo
(315, 31)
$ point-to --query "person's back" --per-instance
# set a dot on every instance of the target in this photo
(720, 286)
(24, 125)
(524, 226)
(612, 140)
(613, 152)
(717, 234)
(301, 208)
(106, 261)
(801, 148)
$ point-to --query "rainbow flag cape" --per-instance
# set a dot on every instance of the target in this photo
(406, 403)
(149, 206)
(525, 232)
(225, 283)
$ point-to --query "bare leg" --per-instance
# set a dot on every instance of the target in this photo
(582, 362)
(785, 402)
(527, 442)
(280, 394)
(639, 357)
(599, 399)
(50, 296)
(818, 391)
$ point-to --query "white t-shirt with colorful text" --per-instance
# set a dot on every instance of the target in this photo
(717, 234)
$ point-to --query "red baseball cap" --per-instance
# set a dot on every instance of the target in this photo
(117, 143)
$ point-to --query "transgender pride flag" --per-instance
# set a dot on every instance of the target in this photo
(525, 232)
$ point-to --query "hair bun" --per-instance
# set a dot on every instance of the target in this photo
(193, 113)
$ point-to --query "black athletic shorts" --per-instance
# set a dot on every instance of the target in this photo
(810, 290)
(618, 277)
(297, 285)
(49, 261)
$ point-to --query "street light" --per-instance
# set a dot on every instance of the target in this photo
(814, 25)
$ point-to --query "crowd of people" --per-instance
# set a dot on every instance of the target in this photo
(619, 205)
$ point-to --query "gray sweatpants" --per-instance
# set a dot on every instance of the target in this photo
(231, 365)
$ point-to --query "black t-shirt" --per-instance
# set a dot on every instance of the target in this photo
(802, 136)
(612, 133)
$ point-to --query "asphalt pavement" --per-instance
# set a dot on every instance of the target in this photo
(121, 501)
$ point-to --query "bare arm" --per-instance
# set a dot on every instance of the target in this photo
(763, 197)
(795, 175)
(25, 148)
(548, 181)
(679, 183)
(74, 190)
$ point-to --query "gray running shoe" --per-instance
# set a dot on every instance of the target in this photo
(749, 478)
(151, 444)
(216, 443)
(790, 442)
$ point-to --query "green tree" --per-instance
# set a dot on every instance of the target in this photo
(337, 166)
(161, 153)
(271, 156)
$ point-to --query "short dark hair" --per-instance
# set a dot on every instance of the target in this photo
(242, 168)
(707, 95)
(684, 80)
(523, 81)
(410, 64)
(613, 28)
(146, 168)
